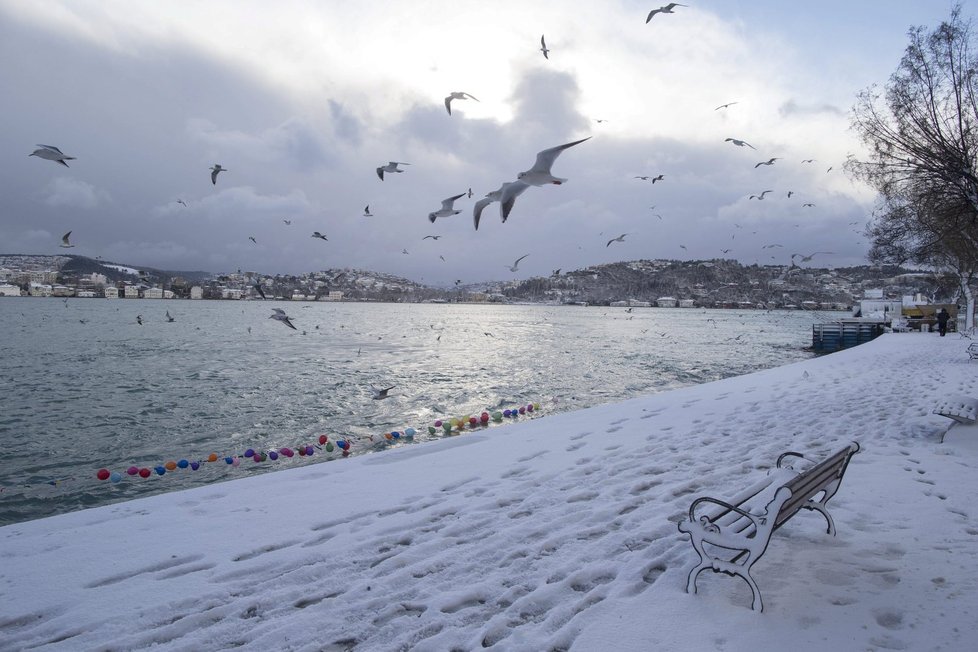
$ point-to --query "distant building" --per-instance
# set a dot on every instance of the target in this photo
(153, 293)
(334, 295)
(687, 303)
(227, 293)
(7, 290)
(40, 290)
(196, 292)
(85, 294)
(131, 292)
(666, 302)
(111, 292)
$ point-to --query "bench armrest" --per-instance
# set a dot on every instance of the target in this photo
(727, 506)
(788, 454)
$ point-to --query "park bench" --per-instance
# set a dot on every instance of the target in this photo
(973, 351)
(731, 536)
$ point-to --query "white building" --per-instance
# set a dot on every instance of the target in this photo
(111, 292)
(196, 292)
(7, 290)
(131, 292)
(666, 302)
(153, 293)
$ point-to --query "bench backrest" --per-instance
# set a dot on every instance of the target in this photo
(823, 477)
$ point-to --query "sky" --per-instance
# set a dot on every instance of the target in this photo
(558, 533)
(301, 101)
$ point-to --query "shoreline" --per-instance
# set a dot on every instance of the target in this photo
(446, 543)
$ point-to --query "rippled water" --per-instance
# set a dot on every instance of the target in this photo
(83, 386)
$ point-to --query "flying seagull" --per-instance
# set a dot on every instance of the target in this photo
(215, 169)
(261, 293)
(770, 161)
(317, 234)
(723, 106)
(287, 222)
(180, 201)
(808, 205)
(52, 153)
(665, 9)
(506, 196)
(738, 143)
(279, 314)
(446, 209)
(544, 48)
(808, 160)
(381, 394)
(760, 196)
(805, 259)
(366, 211)
(658, 178)
(405, 252)
(458, 95)
(433, 237)
(390, 167)
(64, 241)
(620, 238)
(139, 319)
(252, 238)
(540, 174)
(516, 265)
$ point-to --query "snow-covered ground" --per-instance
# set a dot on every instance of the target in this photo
(553, 534)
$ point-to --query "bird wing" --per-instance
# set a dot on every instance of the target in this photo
(448, 104)
(287, 322)
(477, 210)
(609, 242)
(471, 97)
(380, 173)
(214, 176)
(278, 311)
(64, 238)
(546, 158)
(52, 148)
(519, 259)
(652, 13)
(507, 196)
(446, 204)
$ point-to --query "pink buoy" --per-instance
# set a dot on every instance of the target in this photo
(522, 410)
(256, 457)
(132, 470)
(286, 451)
(103, 474)
(438, 423)
(235, 462)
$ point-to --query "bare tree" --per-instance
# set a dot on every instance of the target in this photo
(922, 136)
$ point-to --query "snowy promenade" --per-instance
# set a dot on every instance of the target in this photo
(553, 534)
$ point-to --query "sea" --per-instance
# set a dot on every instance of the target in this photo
(84, 386)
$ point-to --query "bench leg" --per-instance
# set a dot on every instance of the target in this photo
(728, 568)
(820, 508)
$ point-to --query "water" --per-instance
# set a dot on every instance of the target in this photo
(76, 397)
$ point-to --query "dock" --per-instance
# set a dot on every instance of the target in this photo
(843, 334)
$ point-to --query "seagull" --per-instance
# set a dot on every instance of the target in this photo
(381, 394)
(52, 153)
(556, 272)
(738, 143)
(404, 251)
(458, 95)
(808, 205)
(544, 48)
(506, 196)
(168, 317)
(446, 209)
(252, 238)
(516, 265)
(366, 211)
(760, 196)
(770, 161)
(726, 251)
(433, 237)
(683, 247)
(658, 178)
(723, 106)
(469, 193)
(643, 178)
(808, 160)
(540, 174)
(287, 222)
(620, 238)
(665, 9)
(215, 169)
(64, 241)
(180, 201)
(261, 293)
(280, 315)
(790, 193)
(805, 259)
(390, 167)
(139, 319)
(317, 234)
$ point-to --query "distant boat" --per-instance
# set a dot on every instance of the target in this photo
(666, 302)
(687, 303)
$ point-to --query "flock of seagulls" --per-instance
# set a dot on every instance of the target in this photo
(538, 175)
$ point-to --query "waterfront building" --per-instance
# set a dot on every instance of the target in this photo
(111, 292)
(7, 290)
(196, 292)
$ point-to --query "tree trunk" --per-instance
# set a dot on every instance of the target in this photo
(969, 295)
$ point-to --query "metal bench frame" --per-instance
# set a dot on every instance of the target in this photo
(973, 351)
(730, 527)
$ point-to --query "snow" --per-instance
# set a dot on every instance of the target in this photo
(122, 268)
(558, 533)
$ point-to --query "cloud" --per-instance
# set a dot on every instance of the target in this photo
(65, 191)
(793, 108)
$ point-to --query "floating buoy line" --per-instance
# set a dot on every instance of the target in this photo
(343, 447)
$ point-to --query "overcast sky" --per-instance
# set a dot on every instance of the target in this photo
(302, 100)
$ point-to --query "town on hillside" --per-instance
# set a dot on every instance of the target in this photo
(666, 283)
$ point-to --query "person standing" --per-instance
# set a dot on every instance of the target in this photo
(942, 318)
